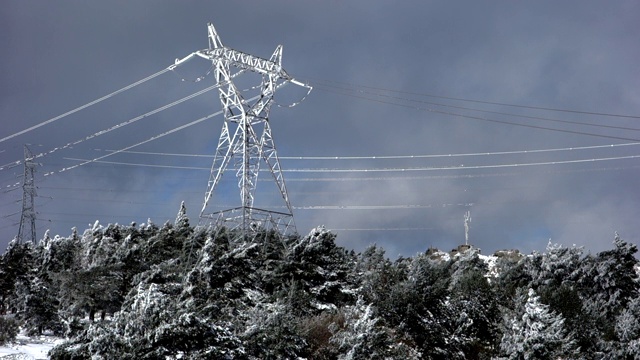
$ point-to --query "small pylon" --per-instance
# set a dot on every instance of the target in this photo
(27, 230)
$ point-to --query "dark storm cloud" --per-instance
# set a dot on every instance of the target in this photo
(570, 55)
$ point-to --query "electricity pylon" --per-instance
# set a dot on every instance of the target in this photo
(27, 229)
(246, 136)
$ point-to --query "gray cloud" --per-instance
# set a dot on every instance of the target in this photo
(570, 55)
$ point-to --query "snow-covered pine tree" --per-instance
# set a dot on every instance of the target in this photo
(271, 331)
(320, 267)
(15, 265)
(476, 315)
(182, 221)
(416, 307)
(537, 333)
(608, 282)
(558, 265)
(628, 331)
(362, 335)
(182, 227)
(40, 308)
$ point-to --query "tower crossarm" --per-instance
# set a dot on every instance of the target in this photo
(244, 61)
(217, 52)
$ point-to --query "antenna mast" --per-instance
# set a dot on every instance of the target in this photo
(246, 136)
(467, 221)
(27, 229)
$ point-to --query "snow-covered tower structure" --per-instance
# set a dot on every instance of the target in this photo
(246, 140)
(27, 229)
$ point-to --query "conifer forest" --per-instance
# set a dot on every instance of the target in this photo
(179, 292)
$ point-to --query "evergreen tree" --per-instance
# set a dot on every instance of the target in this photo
(513, 275)
(40, 308)
(9, 328)
(628, 331)
(320, 267)
(273, 332)
(182, 228)
(164, 244)
(476, 315)
(362, 335)
(609, 281)
(557, 266)
(15, 268)
(416, 307)
(376, 274)
(537, 333)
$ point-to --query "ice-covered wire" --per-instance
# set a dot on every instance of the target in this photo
(479, 101)
(138, 144)
(398, 98)
(379, 207)
(198, 79)
(368, 170)
(117, 126)
(463, 167)
(156, 137)
(376, 157)
(435, 111)
(84, 106)
(296, 103)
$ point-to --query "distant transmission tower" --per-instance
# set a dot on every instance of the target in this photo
(246, 138)
(27, 230)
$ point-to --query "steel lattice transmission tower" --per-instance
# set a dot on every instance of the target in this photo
(27, 229)
(246, 140)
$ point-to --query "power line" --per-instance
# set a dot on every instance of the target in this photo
(104, 190)
(85, 105)
(117, 126)
(481, 101)
(377, 178)
(95, 215)
(156, 137)
(386, 229)
(138, 144)
(380, 207)
(480, 118)
(489, 111)
(176, 167)
(376, 157)
(373, 170)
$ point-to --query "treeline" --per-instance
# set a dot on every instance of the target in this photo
(150, 292)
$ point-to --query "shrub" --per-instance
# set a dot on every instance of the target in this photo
(8, 330)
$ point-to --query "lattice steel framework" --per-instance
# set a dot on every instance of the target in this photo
(27, 229)
(246, 140)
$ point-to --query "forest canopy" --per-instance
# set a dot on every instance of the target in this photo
(176, 291)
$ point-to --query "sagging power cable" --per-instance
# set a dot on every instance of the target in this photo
(84, 106)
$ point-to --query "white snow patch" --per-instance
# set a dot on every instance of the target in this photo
(28, 348)
(492, 271)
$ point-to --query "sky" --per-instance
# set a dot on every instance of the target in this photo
(525, 114)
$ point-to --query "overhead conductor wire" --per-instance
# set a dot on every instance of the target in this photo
(84, 106)
(156, 137)
(480, 101)
(425, 109)
(355, 170)
(376, 157)
(117, 126)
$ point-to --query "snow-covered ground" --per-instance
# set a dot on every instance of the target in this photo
(28, 348)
